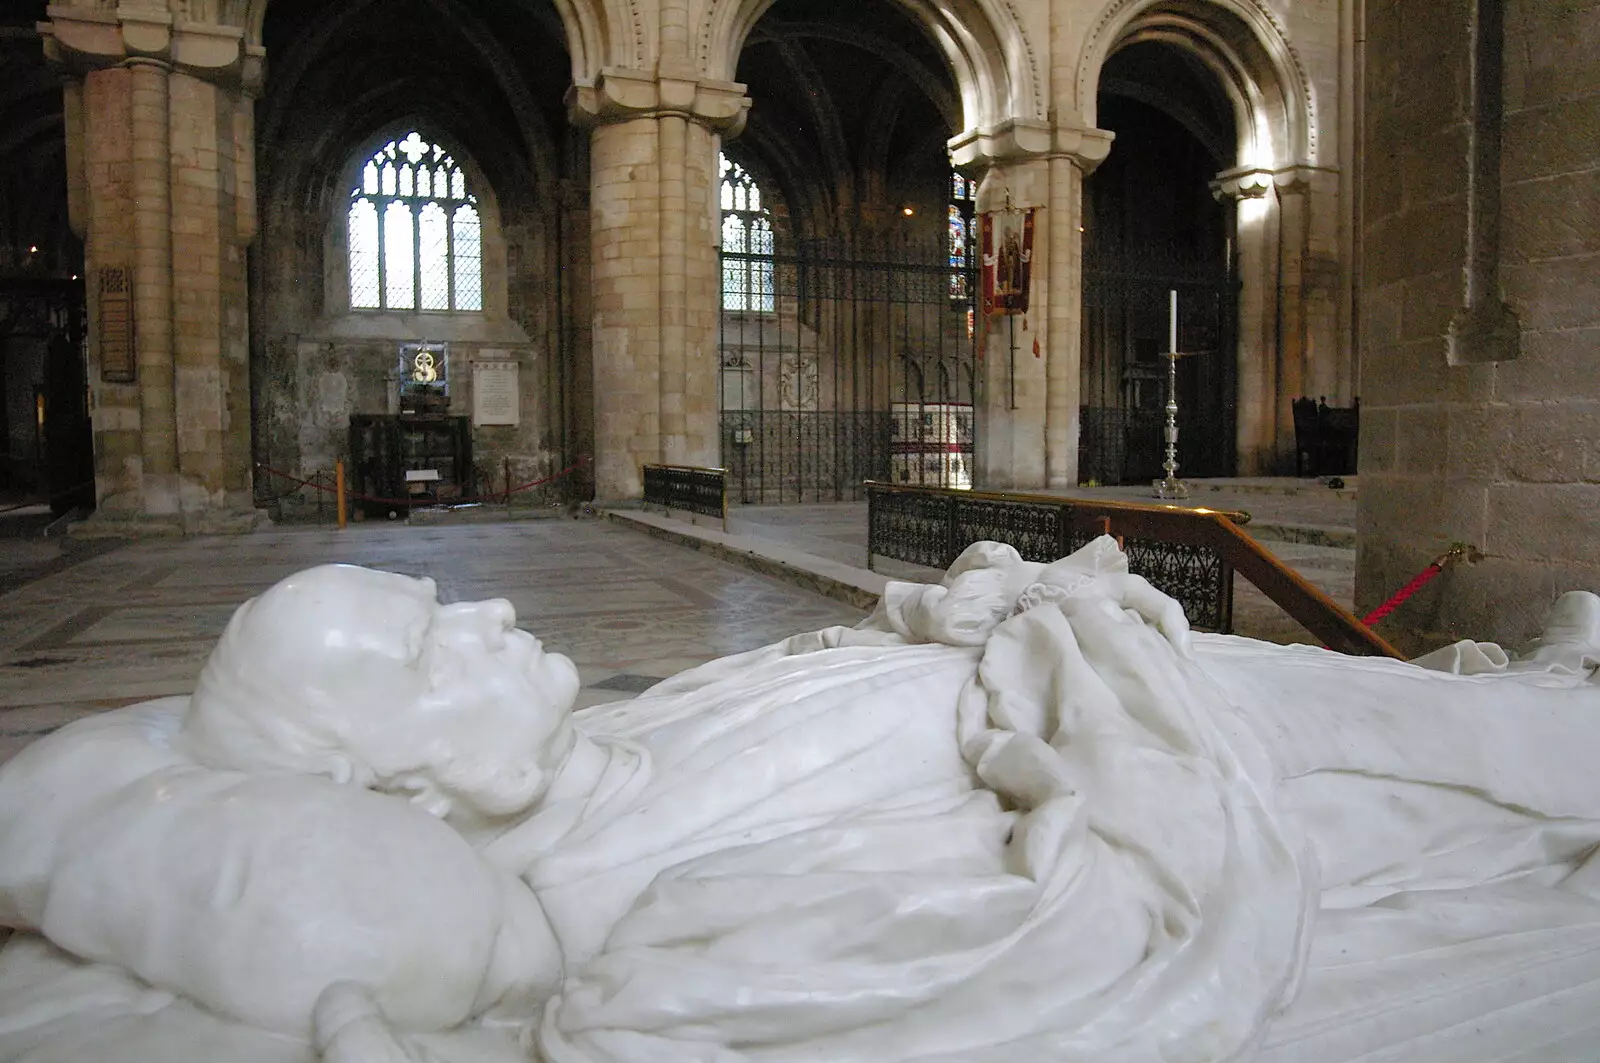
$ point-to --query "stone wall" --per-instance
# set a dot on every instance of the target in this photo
(1481, 406)
(318, 362)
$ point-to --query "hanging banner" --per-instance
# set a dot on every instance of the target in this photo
(1007, 261)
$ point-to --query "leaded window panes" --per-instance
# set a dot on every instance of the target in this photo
(427, 252)
(399, 277)
(364, 271)
(962, 233)
(468, 260)
(747, 273)
(433, 248)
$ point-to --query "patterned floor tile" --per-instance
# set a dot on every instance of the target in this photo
(138, 620)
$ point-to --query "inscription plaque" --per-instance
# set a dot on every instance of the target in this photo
(118, 363)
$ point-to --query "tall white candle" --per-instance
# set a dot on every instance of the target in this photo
(1172, 324)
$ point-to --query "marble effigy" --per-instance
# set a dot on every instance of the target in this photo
(1023, 814)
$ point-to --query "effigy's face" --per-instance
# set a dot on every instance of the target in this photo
(480, 665)
(452, 700)
(496, 700)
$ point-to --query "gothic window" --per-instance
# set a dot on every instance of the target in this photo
(746, 242)
(415, 233)
(963, 229)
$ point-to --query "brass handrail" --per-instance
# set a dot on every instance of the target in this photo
(1217, 530)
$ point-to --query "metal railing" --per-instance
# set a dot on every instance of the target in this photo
(1190, 554)
(690, 488)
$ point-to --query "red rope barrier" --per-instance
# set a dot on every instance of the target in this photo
(1457, 552)
(495, 497)
(1403, 593)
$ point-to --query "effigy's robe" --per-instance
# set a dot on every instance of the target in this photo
(1042, 844)
(1019, 815)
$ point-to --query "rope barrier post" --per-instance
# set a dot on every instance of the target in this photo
(312, 483)
(505, 481)
(339, 500)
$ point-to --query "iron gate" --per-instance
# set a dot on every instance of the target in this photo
(842, 363)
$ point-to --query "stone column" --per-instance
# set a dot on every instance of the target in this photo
(1480, 314)
(1286, 252)
(1256, 219)
(1028, 405)
(160, 132)
(654, 238)
(152, 281)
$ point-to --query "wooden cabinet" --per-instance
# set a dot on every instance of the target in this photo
(417, 459)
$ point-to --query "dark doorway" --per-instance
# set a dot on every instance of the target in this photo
(1152, 227)
(49, 452)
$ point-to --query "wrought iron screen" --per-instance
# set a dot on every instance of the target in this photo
(688, 488)
(1125, 301)
(932, 527)
(861, 368)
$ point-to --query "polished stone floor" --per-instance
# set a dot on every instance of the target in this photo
(87, 625)
(97, 627)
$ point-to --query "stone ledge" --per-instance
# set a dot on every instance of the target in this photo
(176, 525)
(844, 583)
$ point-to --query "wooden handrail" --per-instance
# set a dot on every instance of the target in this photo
(1237, 516)
(1337, 627)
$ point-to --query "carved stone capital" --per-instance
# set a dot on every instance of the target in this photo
(83, 39)
(1246, 182)
(1249, 182)
(1020, 139)
(620, 95)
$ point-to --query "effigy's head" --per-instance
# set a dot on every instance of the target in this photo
(365, 677)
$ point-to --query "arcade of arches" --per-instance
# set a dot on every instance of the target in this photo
(744, 232)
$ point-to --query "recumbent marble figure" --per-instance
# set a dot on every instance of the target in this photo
(1021, 815)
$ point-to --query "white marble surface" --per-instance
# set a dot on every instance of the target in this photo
(1023, 814)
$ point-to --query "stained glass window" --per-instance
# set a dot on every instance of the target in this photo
(747, 274)
(962, 235)
(427, 252)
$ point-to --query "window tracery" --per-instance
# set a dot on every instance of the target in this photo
(415, 234)
(747, 248)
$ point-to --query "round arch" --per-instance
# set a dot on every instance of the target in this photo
(989, 53)
(1243, 45)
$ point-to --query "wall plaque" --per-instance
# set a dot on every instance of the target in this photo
(495, 398)
(118, 358)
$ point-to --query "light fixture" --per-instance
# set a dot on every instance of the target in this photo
(908, 210)
(33, 250)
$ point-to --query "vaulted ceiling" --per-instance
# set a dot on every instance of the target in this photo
(489, 77)
(852, 105)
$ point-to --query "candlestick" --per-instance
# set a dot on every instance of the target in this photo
(1172, 321)
(1171, 487)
